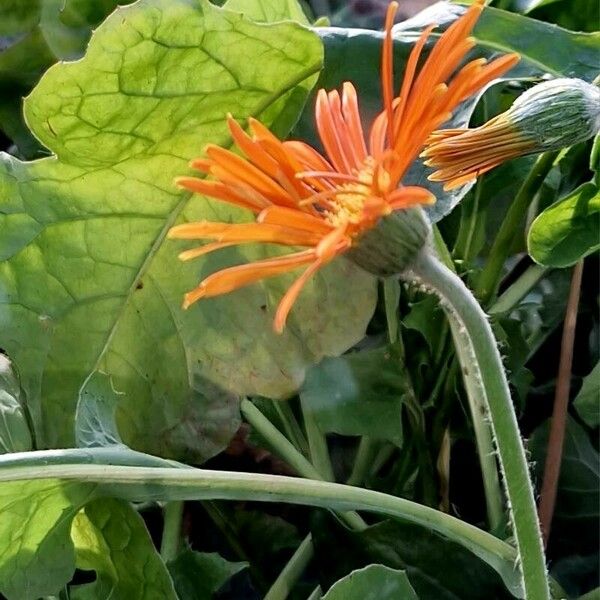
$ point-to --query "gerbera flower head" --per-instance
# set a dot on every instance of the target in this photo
(349, 198)
(551, 115)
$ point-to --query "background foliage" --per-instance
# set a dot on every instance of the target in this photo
(96, 353)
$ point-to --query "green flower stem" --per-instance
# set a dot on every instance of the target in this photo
(317, 444)
(362, 461)
(170, 543)
(483, 436)
(518, 290)
(475, 396)
(292, 571)
(143, 483)
(459, 301)
(286, 451)
(489, 279)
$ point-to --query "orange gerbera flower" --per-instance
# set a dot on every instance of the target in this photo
(325, 202)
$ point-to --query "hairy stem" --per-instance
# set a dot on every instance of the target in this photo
(561, 403)
(469, 316)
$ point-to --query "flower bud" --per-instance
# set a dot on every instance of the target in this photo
(393, 245)
(549, 116)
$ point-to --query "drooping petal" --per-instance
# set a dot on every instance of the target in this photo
(228, 280)
(290, 297)
(221, 191)
(245, 232)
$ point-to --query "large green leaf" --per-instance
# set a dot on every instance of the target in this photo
(359, 394)
(436, 567)
(568, 230)
(87, 283)
(14, 429)
(374, 582)
(111, 539)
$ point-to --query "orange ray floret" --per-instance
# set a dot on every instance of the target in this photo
(326, 202)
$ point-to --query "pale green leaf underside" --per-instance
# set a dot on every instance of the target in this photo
(86, 282)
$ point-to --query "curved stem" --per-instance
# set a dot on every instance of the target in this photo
(171, 537)
(459, 301)
(488, 281)
(561, 403)
(142, 483)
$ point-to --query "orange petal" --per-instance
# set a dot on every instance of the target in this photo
(387, 70)
(245, 232)
(327, 133)
(227, 280)
(220, 191)
(292, 295)
(202, 250)
(352, 118)
(407, 196)
(279, 215)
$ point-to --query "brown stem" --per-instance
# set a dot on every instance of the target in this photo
(559, 412)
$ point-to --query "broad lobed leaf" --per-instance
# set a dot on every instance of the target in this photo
(86, 282)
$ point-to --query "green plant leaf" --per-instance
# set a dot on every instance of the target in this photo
(374, 582)
(199, 575)
(358, 394)
(88, 225)
(95, 417)
(14, 429)
(36, 552)
(568, 230)
(587, 401)
(111, 539)
(436, 567)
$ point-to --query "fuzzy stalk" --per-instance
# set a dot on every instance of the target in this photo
(469, 316)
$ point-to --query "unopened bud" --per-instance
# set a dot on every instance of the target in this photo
(552, 115)
(393, 245)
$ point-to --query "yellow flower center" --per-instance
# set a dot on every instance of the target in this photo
(348, 202)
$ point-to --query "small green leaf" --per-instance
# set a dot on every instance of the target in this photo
(14, 430)
(359, 394)
(568, 230)
(95, 417)
(587, 401)
(199, 575)
(111, 539)
(374, 582)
